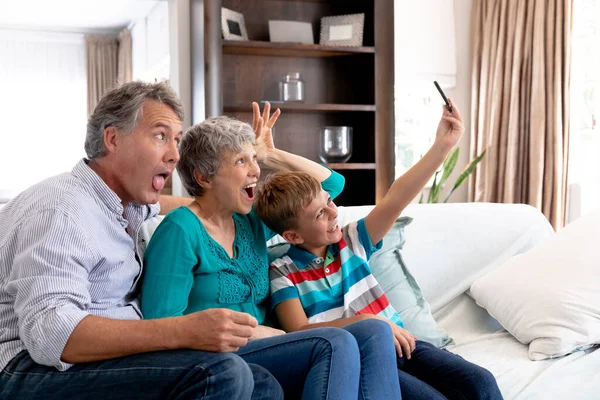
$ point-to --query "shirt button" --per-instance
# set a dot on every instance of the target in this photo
(326, 270)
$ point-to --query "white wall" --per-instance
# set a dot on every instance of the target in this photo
(461, 94)
(150, 45)
(180, 52)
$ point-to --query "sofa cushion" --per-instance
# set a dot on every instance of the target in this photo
(549, 297)
(402, 289)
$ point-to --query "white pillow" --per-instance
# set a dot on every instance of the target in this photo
(549, 297)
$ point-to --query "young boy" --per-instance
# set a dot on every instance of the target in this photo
(324, 278)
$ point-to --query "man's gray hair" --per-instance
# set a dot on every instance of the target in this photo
(203, 145)
(122, 108)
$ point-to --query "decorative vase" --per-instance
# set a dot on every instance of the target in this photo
(291, 88)
(335, 144)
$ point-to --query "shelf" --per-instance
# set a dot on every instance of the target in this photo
(352, 166)
(290, 49)
(301, 107)
(304, 1)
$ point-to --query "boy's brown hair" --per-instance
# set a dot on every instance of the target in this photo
(282, 197)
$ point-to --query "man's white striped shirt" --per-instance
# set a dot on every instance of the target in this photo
(68, 249)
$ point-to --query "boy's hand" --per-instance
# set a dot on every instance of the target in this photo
(405, 342)
(450, 128)
(263, 128)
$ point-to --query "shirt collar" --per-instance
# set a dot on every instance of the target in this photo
(303, 258)
(83, 171)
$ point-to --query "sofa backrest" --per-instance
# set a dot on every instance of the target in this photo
(449, 246)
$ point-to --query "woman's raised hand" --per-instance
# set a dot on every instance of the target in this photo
(263, 128)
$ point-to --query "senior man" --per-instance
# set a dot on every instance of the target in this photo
(70, 321)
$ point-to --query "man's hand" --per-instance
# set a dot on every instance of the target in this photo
(217, 329)
(262, 332)
(263, 128)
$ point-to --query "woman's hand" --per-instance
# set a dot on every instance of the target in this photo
(261, 332)
(263, 128)
(450, 128)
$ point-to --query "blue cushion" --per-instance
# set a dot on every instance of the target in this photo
(403, 292)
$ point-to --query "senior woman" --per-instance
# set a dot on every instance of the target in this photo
(212, 254)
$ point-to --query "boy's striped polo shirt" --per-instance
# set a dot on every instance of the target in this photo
(339, 286)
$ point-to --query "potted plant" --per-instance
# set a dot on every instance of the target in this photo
(446, 171)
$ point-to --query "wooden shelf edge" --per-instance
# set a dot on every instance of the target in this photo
(304, 1)
(301, 107)
(352, 165)
(260, 48)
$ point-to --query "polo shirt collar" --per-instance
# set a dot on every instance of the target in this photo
(303, 258)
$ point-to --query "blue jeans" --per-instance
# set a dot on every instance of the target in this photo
(434, 374)
(330, 363)
(378, 378)
(176, 374)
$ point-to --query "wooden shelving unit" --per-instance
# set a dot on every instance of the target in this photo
(350, 86)
(259, 48)
(352, 166)
(303, 107)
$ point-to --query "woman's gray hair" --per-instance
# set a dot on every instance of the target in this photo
(202, 147)
(122, 108)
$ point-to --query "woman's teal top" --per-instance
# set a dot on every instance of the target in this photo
(185, 270)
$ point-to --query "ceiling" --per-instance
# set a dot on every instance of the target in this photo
(73, 15)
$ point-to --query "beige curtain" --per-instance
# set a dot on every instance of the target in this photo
(520, 103)
(101, 53)
(108, 64)
(125, 68)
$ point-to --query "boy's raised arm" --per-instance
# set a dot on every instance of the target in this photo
(407, 187)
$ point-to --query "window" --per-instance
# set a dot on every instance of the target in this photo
(42, 107)
(584, 164)
(418, 110)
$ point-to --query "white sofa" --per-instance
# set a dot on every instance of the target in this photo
(449, 246)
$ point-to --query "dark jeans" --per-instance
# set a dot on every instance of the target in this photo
(434, 374)
(176, 374)
(317, 364)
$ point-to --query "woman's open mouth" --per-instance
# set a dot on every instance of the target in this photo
(249, 191)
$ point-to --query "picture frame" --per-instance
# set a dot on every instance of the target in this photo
(233, 25)
(291, 32)
(342, 30)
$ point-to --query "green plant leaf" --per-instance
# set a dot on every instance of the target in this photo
(448, 165)
(434, 193)
(466, 172)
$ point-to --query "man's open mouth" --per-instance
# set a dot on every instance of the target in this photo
(158, 182)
